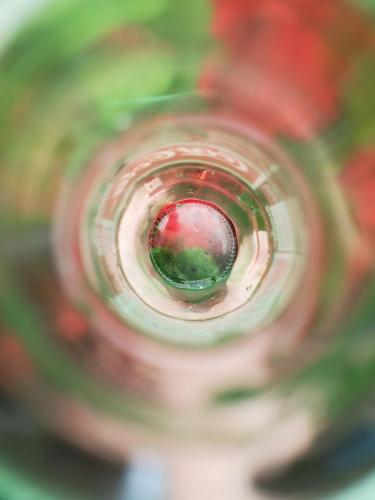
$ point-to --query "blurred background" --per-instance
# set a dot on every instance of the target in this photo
(122, 379)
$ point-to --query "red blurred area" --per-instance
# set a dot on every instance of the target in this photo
(286, 61)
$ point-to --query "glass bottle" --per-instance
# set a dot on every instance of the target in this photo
(249, 332)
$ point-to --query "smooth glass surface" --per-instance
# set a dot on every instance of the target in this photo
(113, 111)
